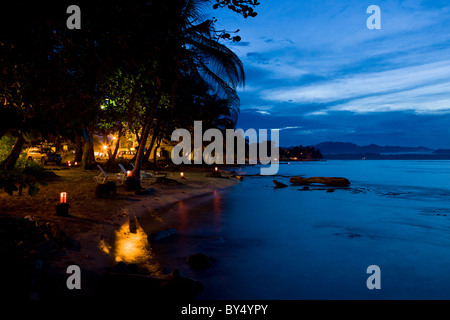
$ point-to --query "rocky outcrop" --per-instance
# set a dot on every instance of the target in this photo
(162, 235)
(279, 184)
(331, 182)
(198, 261)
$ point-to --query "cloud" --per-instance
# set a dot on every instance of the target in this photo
(240, 43)
(422, 88)
(325, 76)
(289, 128)
(258, 57)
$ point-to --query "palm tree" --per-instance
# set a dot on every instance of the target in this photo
(190, 47)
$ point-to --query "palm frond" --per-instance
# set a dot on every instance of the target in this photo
(221, 59)
(194, 9)
(221, 86)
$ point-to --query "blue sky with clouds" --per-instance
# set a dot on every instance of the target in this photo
(315, 71)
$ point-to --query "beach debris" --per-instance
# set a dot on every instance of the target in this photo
(331, 182)
(103, 190)
(279, 184)
(198, 261)
(159, 236)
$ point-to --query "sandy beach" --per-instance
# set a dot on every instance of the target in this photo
(105, 231)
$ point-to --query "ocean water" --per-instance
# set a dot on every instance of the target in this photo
(294, 244)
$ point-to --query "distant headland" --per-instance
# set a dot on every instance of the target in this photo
(351, 151)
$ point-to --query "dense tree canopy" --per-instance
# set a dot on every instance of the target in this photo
(134, 65)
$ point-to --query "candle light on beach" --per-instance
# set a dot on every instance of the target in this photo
(63, 197)
(182, 174)
(76, 163)
(62, 209)
(128, 173)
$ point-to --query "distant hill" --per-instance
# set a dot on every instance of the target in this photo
(335, 148)
(442, 152)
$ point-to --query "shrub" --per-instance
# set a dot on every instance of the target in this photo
(25, 174)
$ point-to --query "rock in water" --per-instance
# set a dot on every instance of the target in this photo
(279, 184)
(198, 261)
(162, 235)
(332, 182)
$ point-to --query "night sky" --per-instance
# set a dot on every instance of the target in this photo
(317, 73)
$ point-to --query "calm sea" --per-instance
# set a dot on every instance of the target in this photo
(291, 243)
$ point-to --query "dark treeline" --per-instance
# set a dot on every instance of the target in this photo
(300, 153)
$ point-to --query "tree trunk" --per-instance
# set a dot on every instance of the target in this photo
(88, 151)
(116, 149)
(78, 147)
(58, 144)
(138, 139)
(136, 174)
(152, 143)
(107, 144)
(158, 143)
(11, 160)
(136, 132)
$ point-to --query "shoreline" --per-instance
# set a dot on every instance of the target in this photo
(98, 227)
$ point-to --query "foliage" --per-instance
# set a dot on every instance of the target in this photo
(125, 68)
(242, 7)
(25, 174)
(6, 144)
